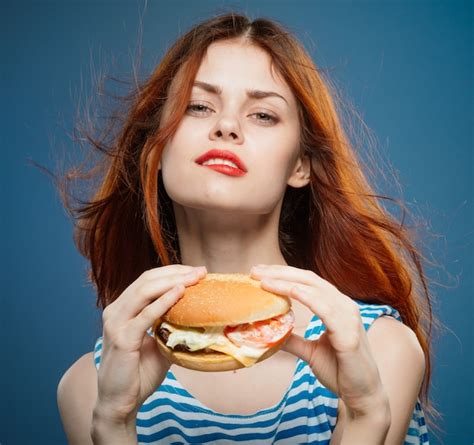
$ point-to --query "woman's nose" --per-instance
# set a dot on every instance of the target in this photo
(227, 129)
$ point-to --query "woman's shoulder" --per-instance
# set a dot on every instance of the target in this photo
(76, 395)
(388, 333)
(77, 375)
(391, 341)
(386, 323)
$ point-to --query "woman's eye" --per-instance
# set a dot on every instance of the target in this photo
(262, 117)
(265, 117)
(198, 108)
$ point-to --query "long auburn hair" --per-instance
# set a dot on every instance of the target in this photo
(336, 226)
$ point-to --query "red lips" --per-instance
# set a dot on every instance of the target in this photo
(222, 154)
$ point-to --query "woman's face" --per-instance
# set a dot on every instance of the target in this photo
(263, 132)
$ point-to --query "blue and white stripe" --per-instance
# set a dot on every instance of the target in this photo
(306, 414)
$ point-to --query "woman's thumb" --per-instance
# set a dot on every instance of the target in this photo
(298, 346)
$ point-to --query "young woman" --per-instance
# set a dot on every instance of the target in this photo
(284, 191)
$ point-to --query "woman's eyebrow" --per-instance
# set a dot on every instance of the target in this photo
(254, 94)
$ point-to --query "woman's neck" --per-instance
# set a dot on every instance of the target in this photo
(228, 243)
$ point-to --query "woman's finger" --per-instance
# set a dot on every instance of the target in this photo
(166, 271)
(299, 346)
(148, 290)
(289, 273)
(319, 355)
(338, 313)
(311, 297)
(153, 311)
(162, 272)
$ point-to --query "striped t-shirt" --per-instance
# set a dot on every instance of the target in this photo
(306, 414)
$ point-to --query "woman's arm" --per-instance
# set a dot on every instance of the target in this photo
(401, 365)
(76, 395)
(373, 373)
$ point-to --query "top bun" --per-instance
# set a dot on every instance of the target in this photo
(225, 299)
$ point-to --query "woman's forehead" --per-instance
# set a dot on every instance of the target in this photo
(240, 65)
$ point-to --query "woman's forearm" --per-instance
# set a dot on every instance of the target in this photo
(106, 431)
(369, 423)
(365, 431)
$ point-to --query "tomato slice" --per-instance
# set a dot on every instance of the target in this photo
(261, 334)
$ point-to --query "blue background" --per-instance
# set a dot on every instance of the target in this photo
(406, 68)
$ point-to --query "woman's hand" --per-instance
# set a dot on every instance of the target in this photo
(341, 357)
(131, 366)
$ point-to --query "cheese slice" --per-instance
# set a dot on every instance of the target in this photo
(245, 355)
(213, 338)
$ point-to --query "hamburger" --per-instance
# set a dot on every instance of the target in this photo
(224, 322)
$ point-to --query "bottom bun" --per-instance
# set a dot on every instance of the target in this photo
(207, 361)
